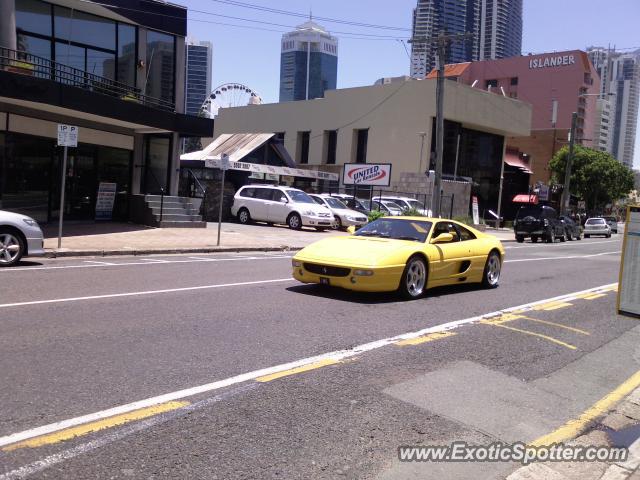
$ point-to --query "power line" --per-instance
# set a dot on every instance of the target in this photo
(304, 15)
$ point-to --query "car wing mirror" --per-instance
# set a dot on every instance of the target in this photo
(351, 230)
(284, 200)
(442, 238)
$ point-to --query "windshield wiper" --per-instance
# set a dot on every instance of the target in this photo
(373, 234)
(408, 237)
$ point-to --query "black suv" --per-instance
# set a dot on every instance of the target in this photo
(538, 222)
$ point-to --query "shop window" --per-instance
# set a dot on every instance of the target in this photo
(331, 139)
(33, 16)
(160, 66)
(303, 147)
(362, 139)
(514, 81)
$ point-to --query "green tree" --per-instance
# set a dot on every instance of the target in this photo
(596, 177)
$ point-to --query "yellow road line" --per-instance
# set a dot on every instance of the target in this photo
(293, 371)
(425, 338)
(572, 428)
(110, 422)
(546, 337)
(553, 306)
(594, 296)
(559, 325)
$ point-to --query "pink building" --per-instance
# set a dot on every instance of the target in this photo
(555, 84)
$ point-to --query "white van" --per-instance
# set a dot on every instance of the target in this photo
(284, 205)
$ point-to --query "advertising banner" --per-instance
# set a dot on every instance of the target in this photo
(106, 199)
(378, 175)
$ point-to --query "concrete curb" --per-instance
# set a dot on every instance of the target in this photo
(164, 251)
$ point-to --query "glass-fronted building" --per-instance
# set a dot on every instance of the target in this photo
(308, 63)
(115, 70)
(198, 80)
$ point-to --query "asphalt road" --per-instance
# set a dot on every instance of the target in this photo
(199, 342)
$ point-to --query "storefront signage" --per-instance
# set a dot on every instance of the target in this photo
(552, 61)
(67, 136)
(260, 168)
(629, 287)
(106, 199)
(543, 192)
(367, 174)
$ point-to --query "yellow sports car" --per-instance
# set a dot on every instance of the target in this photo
(407, 254)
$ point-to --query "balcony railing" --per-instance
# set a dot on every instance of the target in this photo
(24, 63)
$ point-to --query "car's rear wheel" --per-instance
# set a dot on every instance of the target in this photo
(414, 278)
(492, 269)
(568, 235)
(579, 236)
(551, 236)
(294, 221)
(534, 239)
(563, 237)
(244, 217)
(11, 248)
(519, 238)
(608, 235)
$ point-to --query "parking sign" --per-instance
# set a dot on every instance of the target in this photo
(67, 135)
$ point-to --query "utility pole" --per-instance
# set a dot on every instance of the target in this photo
(566, 196)
(443, 41)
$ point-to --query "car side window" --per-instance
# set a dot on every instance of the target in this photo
(264, 193)
(446, 227)
(278, 196)
(315, 199)
(465, 234)
(248, 192)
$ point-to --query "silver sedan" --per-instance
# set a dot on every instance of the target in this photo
(597, 226)
(20, 236)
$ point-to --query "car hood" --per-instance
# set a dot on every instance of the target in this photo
(306, 207)
(348, 212)
(356, 251)
(11, 217)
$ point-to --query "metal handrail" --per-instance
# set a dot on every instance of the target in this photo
(197, 182)
(149, 170)
(24, 63)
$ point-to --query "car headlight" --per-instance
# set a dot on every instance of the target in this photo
(30, 221)
(309, 212)
(352, 219)
(296, 263)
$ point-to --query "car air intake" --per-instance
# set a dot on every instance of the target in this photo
(327, 270)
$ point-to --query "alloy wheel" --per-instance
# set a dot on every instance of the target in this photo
(9, 248)
(493, 270)
(416, 277)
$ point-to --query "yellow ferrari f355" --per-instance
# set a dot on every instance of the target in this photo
(404, 254)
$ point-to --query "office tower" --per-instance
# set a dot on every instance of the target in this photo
(198, 75)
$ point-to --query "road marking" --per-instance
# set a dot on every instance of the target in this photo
(568, 257)
(553, 306)
(338, 355)
(594, 296)
(128, 264)
(294, 371)
(425, 338)
(157, 260)
(145, 292)
(565, 244)
(555, 324)
(574, 427)
(99, 263)
(96, 426)
(540, 335)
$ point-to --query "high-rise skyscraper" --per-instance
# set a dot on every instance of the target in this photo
(308, 63)
(198, 77)
(620, 87)
(495, 25)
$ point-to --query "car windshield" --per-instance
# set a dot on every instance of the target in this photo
(366, 204)
(318, 200)
(396, 203)
(595, 221)
(299, 196)
(390, 204)
(335, 203)
(610, 219)
(398, 229)
(417, 204)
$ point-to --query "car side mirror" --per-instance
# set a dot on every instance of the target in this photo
(351, 230)
(284, 200)
(443, 238)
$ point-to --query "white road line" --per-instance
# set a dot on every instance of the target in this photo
(98, 263)
(128, 264)
(561, 258)
(146, 292)
(565, 244)
(157, 260)
(337, 355)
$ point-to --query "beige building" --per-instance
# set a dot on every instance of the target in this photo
(390, 122)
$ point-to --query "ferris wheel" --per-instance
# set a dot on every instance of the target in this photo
(228, 95)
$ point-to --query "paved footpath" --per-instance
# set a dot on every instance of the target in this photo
(98, 239)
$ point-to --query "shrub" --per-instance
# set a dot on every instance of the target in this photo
(374, 215)
(412, 212)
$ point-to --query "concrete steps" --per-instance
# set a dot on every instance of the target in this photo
(172, 212)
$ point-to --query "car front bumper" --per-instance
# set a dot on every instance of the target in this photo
(384, 279)
(314, 221)
(35, 241)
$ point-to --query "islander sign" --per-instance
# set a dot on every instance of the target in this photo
(367, 174)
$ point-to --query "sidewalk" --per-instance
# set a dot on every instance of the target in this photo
(99, 239)
(619, 428)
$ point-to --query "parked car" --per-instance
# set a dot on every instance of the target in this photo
(572, 229)
(282, 205)
(597, 226)
(613, 223)
(352, 203)
(20, 236)
(405, 203)
(343, 216)
(538, 222)
(393, 209)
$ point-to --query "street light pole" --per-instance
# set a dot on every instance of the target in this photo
(437, 181)
(421, 135)
(566, 196)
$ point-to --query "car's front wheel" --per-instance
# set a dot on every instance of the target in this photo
(492, 270)
(11, 248)
(534, 239)
(519, 238)
(414, 278)
(243, 216)
(294, 221)
(337, 225)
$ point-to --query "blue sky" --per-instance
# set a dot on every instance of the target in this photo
(252, 56)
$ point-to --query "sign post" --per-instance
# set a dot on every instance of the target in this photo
(67, 137)
(628, 286)
(475, 211)
(224, 166)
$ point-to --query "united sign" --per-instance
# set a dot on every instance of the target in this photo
(367, 174)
